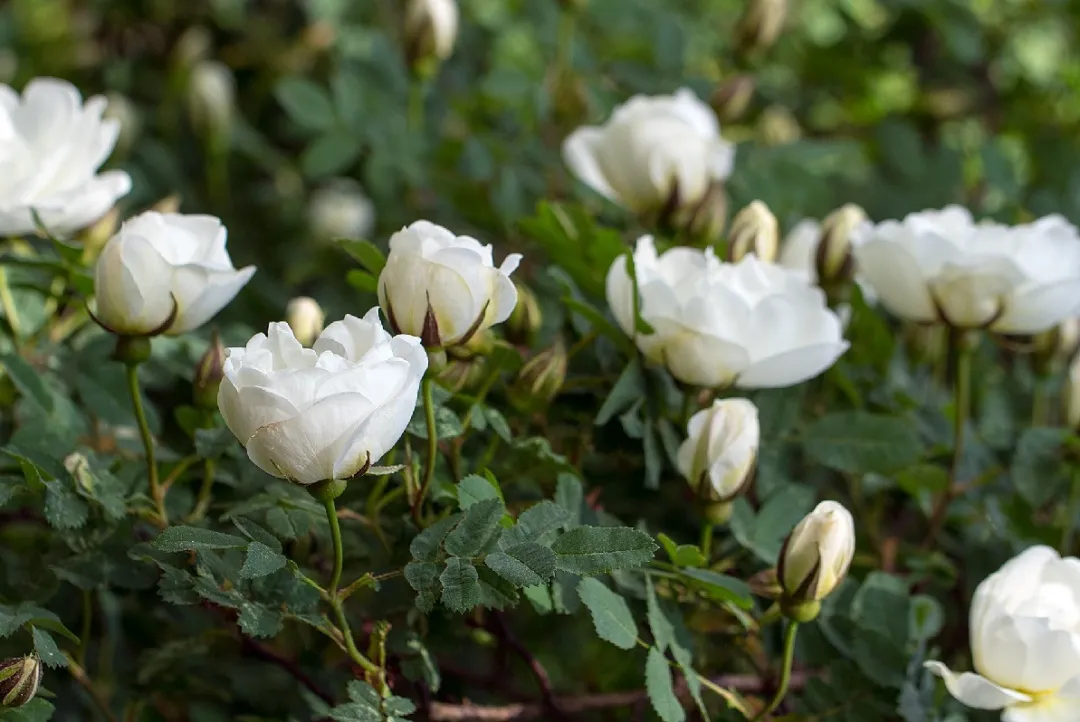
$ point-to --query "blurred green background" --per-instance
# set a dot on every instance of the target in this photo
(893, 104)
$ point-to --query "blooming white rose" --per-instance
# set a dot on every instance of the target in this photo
(328, 412)
(654, 152)
(51, 146)
(816, 555)
(431, 28)
(444, 288)
(165, 273)
(340, 209)
(941, 266)
(1025, 641)
(752, 324)
(722, 447)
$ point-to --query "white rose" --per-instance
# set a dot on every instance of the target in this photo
(722, 447)
(654, 152)
(431, 27)
(51, 146)
(305, 317)
(165, 273)
(816, 555)
(444, 288)
(941, 266)
(1025, 641)
(340, 209)
(799, 253)
(752, 324)
(329, 412)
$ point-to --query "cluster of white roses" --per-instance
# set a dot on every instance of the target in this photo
(313, 405)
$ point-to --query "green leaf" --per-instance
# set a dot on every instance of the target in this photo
(259, 620)
(213, 443)
(611, 614)
(45, 647)
(475, 530)
(629, 389)
(36, 710)
(661, 688)
(764, 532)
(64, 509)
(190, 538)
(720, 586)
(858, 442)
(425, 545)
(368, 705)
(423, 577)
(570, 496)
(366, 253)
(523, 565)
(883, 605)
(447, 424)
(682, 555)
(474, 488)
(1039, 471)
(260, 561)
(540, 521)
(596, 550)
(306, 103)
(330, 154)
(461, 585)
(927, 618)
(654, 460)
(362, 281)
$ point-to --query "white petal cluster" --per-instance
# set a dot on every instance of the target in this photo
(1025, 641)
(721, 448)
(942, 266)
(51, 147)
(751, 323)
(328, 412)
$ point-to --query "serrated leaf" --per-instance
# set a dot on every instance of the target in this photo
(663, 631)
(45, 647)
(422, 576)
(260, 561)
(474, 488)
(36, 710)
(495, 592)
(523, 565)
(570, 496)
(64, 509)
(611, 615)
(661, 688)
(259, 621)
(255, 532)
(541, 519)
(597, 550)
(720, 586)
(425, 545)
(461, 585)
(190, 538)
(475, 530)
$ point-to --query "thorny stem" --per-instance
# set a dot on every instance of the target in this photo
(337, 602)
(157, 492)
(432, 449)
(785, 672)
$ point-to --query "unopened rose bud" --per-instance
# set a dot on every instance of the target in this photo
(760, 24)
(815, 558)
(194, 45)
(569, 96)
(211, 97)
(707, 219)
(765, 584)
(778, 126)
(340, 209)
(78, 465)
(209, 373)
(431, 28)
(732, 99)
(462, 374)
(168, 204)
(305, 317)
(754, 230)
(833, 259)
(525, 320)
(540, 379)
(717, 459)
(96, 236)
(19, 680)
(1056, 346)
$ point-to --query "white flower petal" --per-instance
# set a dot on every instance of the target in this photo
(975, 691)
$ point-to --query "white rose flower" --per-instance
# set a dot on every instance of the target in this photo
(340, 209)
(431, 28)
(51, 146)
(1025, 641)
(444, 288)
(941, 266)
(329, 412)
(722, 447)
(752, 324)
(799, 253)
(654, 152)
(165, 273)
(816, 555)
(305, 317)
